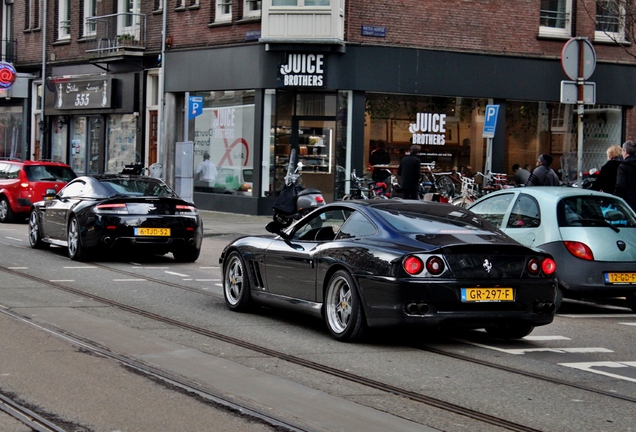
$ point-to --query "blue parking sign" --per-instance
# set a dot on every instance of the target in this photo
(490, 122)
(195, 107)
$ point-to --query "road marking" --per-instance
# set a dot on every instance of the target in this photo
(13, 238)
(176, 274)
(129, 280)
(80, 267)
(589, 367)
(600, 316)
(545, 338)
(208, 268)
(521, 351)
(629, 324)
(148, 267)
(18, 268)
(207, 280)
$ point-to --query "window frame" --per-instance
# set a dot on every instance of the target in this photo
(219, 15)
(608, 36)
(550, 31)
(90, 11)
(250, 13)
(64, 19)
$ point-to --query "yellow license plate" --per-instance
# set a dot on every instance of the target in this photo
(475, 295)
(154, 232)
(620, 278)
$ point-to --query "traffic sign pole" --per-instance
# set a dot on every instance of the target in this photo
(580, 110)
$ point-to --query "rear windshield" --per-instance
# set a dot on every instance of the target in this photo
(137, 187)
(37, 173)
(594, 211)
(454, 221)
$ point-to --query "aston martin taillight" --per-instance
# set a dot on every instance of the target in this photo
(413, 265)
(112, 208)
(185, 209)
(579, 250)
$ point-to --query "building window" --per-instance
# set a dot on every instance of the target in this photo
(301, 3)
(32, 14)
(189, 3)
(64, 19)
(610, 21)
(252, 8)
(90, 10)
(223, 10)
(556, 18)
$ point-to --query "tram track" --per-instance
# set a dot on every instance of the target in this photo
(26, 416)
(370, 383)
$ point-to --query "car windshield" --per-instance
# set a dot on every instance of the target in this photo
(439, 222)
(49, 173)
(594, 211)
(137, 187)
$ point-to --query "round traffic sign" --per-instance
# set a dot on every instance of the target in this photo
(570, 58)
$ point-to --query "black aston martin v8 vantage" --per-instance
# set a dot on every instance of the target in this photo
(115, 212)
(385, 263)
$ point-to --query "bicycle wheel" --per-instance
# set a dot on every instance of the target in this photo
(445, 186)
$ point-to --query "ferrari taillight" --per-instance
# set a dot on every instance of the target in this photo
(533, 266)
(112, 208)
(413, 265)
(579, 250)
(548, 266)
(435, 265)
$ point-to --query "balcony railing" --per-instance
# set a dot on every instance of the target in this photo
(115, 33)
(9, 51)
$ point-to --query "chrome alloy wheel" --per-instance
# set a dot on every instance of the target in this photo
(73, 238)
(339, 304)
(233, 284)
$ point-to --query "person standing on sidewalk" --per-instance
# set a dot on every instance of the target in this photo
(543, 175)
(626, 175)
(410, 172)
(606, 180)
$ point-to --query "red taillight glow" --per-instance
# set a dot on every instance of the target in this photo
(533, 266)
(185, 208)
(413, 265)
(548, 266)
(579, 250)
(319, 198)
(435, 265)
(116, 208)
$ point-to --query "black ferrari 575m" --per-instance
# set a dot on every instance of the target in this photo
(381, 263)
(115, 212)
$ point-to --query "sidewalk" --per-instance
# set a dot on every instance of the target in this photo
(219, 223)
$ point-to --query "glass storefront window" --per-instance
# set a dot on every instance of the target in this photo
(224, 138)
(58, 138)
(121, 143)
(78, 145)
(11, 142)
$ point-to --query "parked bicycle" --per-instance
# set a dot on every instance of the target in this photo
(433, 182)
(468, 194)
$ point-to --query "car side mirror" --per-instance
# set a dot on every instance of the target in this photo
(278, 229)
(50, 194)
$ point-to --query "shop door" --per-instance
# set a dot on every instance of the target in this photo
(313, 137)
(87, 144)
(153, 138)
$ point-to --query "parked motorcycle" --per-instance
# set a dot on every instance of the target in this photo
(294, 200)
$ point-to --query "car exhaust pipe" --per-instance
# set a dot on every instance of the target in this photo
(107, 240)
(423, 308)
(191, 242)
(544, 307)
(412, 309)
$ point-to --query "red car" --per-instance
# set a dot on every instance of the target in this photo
(23, 183)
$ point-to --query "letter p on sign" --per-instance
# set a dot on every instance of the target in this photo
(490, 123)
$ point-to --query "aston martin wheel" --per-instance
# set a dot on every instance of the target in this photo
(236, 283)
(75, 249)
(510, 330)
(343, 308)
(6, 214)
(35, 234)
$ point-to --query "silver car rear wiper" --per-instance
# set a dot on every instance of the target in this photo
(601, 222)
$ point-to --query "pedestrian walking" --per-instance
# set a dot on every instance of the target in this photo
(521, 175)
(543, 175)
(626, 175)
(410, 172)
(606, 180)
(206, 171)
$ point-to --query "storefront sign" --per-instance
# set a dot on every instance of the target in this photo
(88, 94)
(302, 70)
(7, 75)
(429, 129)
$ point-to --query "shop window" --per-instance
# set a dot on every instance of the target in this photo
(556, 18)
(610, 21)
(64, 19)
(90, 10)
(224, 143)
(121, 143)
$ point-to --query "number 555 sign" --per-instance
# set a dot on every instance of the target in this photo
(83, 94)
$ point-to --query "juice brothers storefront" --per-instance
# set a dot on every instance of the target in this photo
(336, 104)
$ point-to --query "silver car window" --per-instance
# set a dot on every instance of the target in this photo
(594, 210)
(525, 213)
(493, 209)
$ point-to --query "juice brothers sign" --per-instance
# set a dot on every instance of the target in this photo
(302, 70)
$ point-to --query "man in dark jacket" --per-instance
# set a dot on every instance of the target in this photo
(410, 172)
(606, 180)
(626, 175)
(543, 175)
